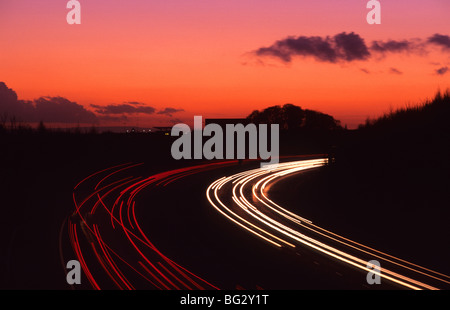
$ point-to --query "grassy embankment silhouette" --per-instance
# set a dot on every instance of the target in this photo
(389, 185)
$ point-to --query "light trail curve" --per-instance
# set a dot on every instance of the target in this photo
(106, 236)
(243, 199)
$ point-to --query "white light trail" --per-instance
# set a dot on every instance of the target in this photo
(269, 221)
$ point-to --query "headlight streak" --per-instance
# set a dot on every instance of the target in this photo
(112, 201)
(261, 217)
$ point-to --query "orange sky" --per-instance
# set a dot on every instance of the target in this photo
(196, 55)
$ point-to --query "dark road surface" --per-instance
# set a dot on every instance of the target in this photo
(162, 233)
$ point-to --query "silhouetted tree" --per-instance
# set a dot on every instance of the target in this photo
(4, 119)
(13, 123)
(93, 130)
(319, 121)
(41, 128)
(294, 118)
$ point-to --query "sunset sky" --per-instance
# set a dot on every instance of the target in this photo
(167, 61)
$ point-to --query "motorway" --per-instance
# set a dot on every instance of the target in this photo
(243, 199)
(214, 226)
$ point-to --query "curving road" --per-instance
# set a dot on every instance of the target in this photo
(107, 238)
(244, 200)
(108, 230)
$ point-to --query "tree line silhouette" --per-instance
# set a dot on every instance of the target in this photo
(293, 118)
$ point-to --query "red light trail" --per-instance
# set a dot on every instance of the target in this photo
(107, 214)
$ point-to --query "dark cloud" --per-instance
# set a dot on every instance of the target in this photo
(47, 109)
(365, 70)
(175, 121)
(351, 46)
(125, 108)
(395, 71)
(442, 71)
(441, 40)
(7, 95)
(62, 110)
(346, 47)
(391, 46)
(9, 103)
(341, 47)
(11, 106)
(170, 111)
